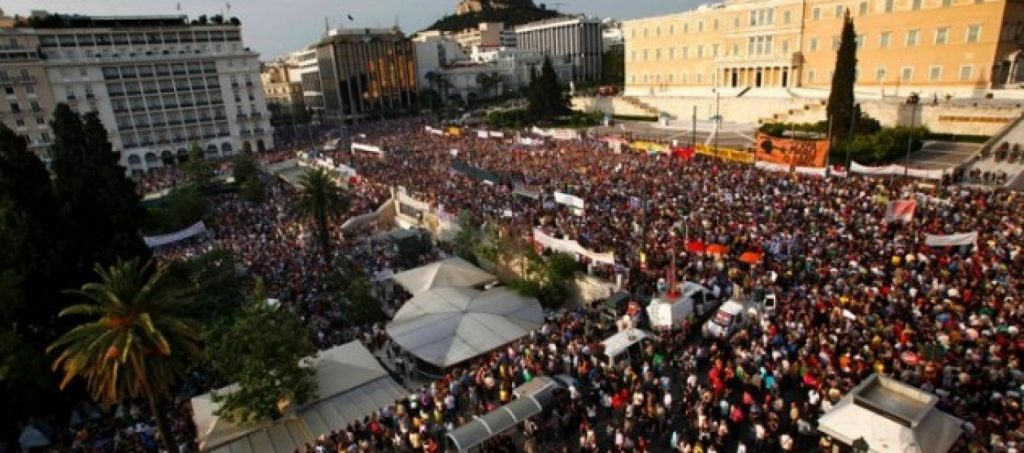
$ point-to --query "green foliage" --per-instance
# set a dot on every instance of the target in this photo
(488, 82)
(887, 145)
(180, 208)
(137, 342)
(217, 284)
(841, 98)
(547, 278)
(508, 119)
(243, 167)
(261, 352)
(545, 99)
(198, 171)
(651, 119)
(430, 99)
(252, 190)
(320, 201)
(519, 12)
(613, 66)
(468, 239)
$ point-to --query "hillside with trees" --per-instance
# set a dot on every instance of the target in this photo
(511, 13)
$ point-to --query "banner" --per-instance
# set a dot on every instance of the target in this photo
(732, 155)
(496, 134)
(815, 171)
(434, 131)
(368, 218)
(900, 210)
(569, 200)
(527, 191)
(530, 141)
(170, 238)
(454, 131)
(684, 153)
(801, 153)
(482, 134)
(572, 247)
(897, 170)
(332, 144)
(402, 198)
(838, 170)
(949, 240)
(649, 147)
(365, 147)
(768, 166)
(557, 134)
(474, 172)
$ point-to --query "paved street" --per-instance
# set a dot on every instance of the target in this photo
(732, 135)
(934, 155)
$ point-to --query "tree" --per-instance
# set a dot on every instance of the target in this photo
(198, 171)
(261, 352)
(488, 82)
(841, 99)
(243, 167)
(138, 342)
(545, 99)
(361, 308)
(319, 202)
(180, 208)
(613, 66)
(98, 203)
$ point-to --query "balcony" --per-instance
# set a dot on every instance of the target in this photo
(240, 115)
(256, 115)
(220, 117)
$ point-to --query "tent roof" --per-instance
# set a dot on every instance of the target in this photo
(445, 326)
(455, 272)
(891, 417)
(351, 384)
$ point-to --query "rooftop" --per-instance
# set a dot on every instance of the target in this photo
(47, 20)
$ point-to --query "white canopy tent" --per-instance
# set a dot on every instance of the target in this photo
(452, 272)
(351, 384)
(892, 417)
(446, 326)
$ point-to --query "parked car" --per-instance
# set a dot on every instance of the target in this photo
(730, 318)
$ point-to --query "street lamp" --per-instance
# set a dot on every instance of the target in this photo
(912, 101)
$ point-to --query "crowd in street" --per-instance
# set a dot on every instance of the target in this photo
(858, 295)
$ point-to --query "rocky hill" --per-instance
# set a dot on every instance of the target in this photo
(469, 13)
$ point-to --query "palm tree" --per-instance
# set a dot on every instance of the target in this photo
(138, 342)
(319, 201)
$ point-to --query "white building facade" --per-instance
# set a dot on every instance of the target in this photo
(160, 84)
(571, 40)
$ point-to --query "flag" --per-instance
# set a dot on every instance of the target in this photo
(685, 153)
(350, 17)
(179, 6)
(900, 210)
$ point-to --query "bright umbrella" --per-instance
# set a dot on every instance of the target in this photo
(716, 249)
(751, 257)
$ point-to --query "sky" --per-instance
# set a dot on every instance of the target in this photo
(276, 27)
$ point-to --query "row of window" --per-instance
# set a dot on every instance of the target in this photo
(766, 16)
(159, 70)
(912, 38)
(138, 38)
(175, 135)
(966, 73)
(172, 118)
(163, 86)
(16, 107)
(763, 45)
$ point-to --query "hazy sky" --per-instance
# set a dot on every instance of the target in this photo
(274, 27)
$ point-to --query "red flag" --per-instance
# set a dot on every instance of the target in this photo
(900, 210)
(685, 153)
(695, 246)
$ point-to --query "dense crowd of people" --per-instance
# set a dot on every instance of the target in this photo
(858, 294)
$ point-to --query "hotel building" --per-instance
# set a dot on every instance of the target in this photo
(158, 83)
(576, 41)
(933, 47)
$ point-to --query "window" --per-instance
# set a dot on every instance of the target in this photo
(632, 33)
(35, 106)
(645, 59)
(862, 9)
(700, 51)
(714, 50)
(814, 44)
(15, 108)
(686, 28)
(889, 5)
(19, 122)
(912, 37)
(671, 29)
(860, 41)
(880, 74)
(29, 89)
(935, 73)
(839, 10)
(947, 2)
(941, 35)
(671, 53)
(787, 17)
(835, 43)
(657, 31)
(700, 26)
(735, 49)
(657, 54)
(810, 76)
(645, 32)
(885, 39)
(785, 46)
(685, 52)
(40, 121)
(736, 22)
(973, 33)
(9, 91)
(915, 5)
(907, 73)
(714, 24)
(966, 72)
(816, 13)
(632, 55)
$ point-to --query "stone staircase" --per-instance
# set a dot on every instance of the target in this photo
(643, 106)
(812, 112)
(1012, 133)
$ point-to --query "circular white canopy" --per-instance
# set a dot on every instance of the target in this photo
(445, 326)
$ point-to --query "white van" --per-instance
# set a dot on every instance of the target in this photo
(729, 319)
(694, 299)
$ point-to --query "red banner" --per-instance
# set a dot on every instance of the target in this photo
(791, 151)
(685, 153)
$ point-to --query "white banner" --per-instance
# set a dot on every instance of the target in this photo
(496, 134)
(365, 147)
(370, 217)
(434, 131)
(404, 198)
(770, 166)
(816, 171)
(897, 170)
(949, 240)
(569, 200)
(482, 134)
(331, 145)
(573, 247)
(557, 134)
(170, 238)
(530, 141)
